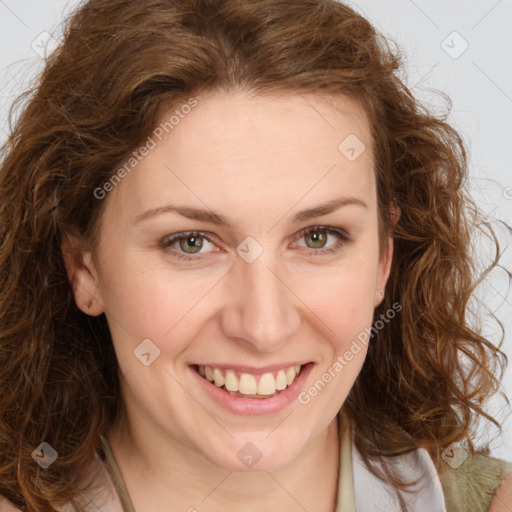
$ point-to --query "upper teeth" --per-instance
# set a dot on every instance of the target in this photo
(249, 384)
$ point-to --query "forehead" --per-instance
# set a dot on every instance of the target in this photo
(236, 126)
(238, 149)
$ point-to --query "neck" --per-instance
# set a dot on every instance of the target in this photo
(164, 473)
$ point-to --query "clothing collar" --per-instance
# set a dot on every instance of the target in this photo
(359, 489)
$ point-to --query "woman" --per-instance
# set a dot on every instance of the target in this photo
(235, 263)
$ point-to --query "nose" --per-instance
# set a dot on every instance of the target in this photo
(262, 312)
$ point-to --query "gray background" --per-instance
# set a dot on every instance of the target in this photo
(461, 47)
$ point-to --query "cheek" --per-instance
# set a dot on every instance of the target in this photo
(343, 298)
(152, 301)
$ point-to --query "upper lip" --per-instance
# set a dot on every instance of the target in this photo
(252, 369)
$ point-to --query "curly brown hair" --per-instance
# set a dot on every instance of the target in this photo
(121, 63)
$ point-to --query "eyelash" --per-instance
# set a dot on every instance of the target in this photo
(341, 234)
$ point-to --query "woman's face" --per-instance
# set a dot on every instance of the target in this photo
(250, 294)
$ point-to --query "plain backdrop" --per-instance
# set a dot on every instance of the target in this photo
(460, 47)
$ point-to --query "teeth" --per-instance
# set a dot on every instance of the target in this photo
(219, 378)
(231, 381)
(290, 375)
(267, 384)
(208, 373)
(247, 384)
(281, 380)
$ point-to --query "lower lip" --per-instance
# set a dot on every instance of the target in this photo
(255, 406)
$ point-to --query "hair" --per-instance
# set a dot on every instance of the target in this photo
(121, 64)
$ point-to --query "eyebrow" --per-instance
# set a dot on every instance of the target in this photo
(217, 219)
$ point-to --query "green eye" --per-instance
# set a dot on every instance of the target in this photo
(186, 245)
(191, 244)
(317, 237)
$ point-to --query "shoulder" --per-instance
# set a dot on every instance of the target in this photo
(101, 493)
(7, 506)
(475, 483)
(502, 499)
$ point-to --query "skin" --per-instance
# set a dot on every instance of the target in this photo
(257, 161)
(502, 500)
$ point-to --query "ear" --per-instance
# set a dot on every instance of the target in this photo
(82, 275)
(386, 260)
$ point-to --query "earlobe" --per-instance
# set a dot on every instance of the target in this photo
(82, 276)
(395, 213)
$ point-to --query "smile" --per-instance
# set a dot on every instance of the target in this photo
(251, 391)
(248, 385)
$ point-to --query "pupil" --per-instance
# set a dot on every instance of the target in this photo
(318, 239)
(191, 242)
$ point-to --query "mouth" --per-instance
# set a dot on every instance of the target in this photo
(253, 385)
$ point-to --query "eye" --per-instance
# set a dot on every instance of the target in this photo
(317, 238)
(189, 245)
(185, 245)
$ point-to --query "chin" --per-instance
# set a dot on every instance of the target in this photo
(254, 454)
